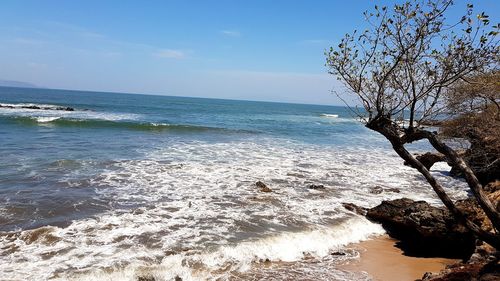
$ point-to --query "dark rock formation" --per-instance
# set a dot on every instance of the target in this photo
(466, 272)
(393, 189)
(484, 162)
(482, 266)
(424, 230)
(263, 187)
(428, 159)
(431, 123)
(378, 189)
(338, 254)
(314, 186)
(37, 107)
(355, 209)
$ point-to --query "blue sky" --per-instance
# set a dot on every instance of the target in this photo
(255, 50)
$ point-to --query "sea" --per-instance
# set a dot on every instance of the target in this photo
(109, 186)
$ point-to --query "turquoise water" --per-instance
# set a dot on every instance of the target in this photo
(126, 183)
(48, 144)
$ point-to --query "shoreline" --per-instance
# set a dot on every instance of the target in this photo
(383, 261)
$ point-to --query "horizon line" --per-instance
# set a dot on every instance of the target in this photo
(164, 95)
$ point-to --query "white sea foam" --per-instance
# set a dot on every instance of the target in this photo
(330, 115)
(46, 119)
(286, 247)
(52, 111)
(73, 249)
(196, 213)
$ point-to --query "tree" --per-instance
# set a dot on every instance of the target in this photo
(401, 68)
(474, 110)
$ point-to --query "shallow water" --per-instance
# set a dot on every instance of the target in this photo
(131, 185)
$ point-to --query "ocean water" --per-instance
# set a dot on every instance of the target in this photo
(136, 186)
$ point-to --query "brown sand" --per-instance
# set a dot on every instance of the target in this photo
(384, 262)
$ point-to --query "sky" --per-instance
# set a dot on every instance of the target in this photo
(253, 50)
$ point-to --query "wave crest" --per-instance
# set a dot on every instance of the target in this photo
(329, 115)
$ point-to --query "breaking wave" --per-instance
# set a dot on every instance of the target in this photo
(56, 115)
(98, 123)
(329, 115)
(194, 212)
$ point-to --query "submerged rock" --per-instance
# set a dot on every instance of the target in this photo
(355, 208)
(263, 187)
(424, 230)
(314, 186)
(378, 189)
(338, 254)
(393, 189)
(145, 278)
(37, 107)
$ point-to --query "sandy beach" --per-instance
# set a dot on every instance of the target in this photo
(385, 262)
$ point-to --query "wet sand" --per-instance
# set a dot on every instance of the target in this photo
(384, 262)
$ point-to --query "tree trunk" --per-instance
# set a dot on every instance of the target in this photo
(470, 177)
(487, 237)
(393, 133)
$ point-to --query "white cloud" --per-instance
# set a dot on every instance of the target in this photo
(231, 33)
(170, 54)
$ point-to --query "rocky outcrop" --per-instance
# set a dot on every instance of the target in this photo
(263, 187)
(423, 230)
(378, 189)
(431, 123)
(466, 272)
(38, 107)
(474, 212)
(355, 209)
(484, 160)
(482, 266)
(429, 159)
(316, 186)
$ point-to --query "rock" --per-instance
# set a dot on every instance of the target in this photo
(485, 271)
(431, 123)
(376, 190)
(314, 186)
(31, 107)
(146, 278)
(424, 230)
(492, 186)
(393, 189)
(338, 254)
(263, 187)
(484, 161)
(355, 209)
(429, 159)
(492, 190)
(474, 212)
(36, 107)
(495, 199)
